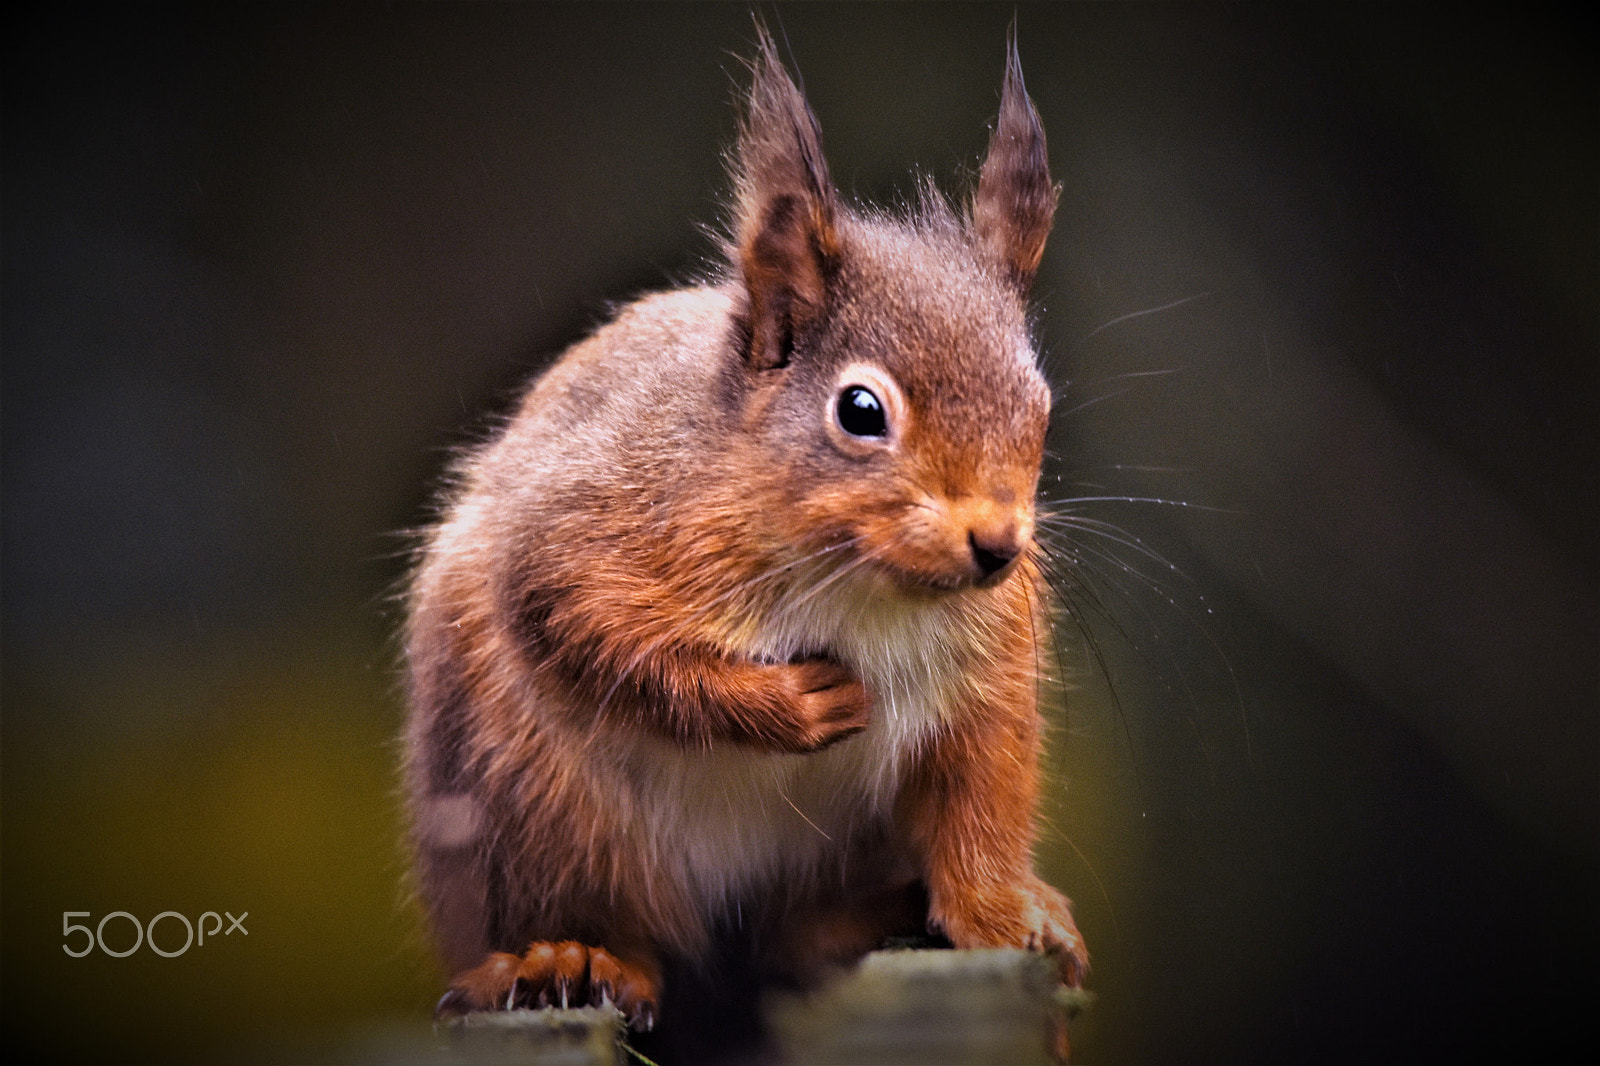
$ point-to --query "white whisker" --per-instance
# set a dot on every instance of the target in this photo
(1139, 499)
(1140, 314)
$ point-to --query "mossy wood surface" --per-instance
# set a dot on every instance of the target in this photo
(913, 1007)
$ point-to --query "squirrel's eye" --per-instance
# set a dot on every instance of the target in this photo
(860, 412)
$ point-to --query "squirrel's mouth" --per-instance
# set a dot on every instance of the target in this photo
(943, 577)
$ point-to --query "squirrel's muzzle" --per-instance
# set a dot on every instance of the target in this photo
(993, 532)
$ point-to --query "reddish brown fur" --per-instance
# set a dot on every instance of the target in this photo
(684, 646)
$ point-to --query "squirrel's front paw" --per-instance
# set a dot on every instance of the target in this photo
(827, 702)
(1029, 915)
(565, 974)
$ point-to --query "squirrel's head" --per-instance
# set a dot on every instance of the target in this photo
(886, 378)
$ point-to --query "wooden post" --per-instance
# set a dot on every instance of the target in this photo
(912, 1007)
(580, 1036)
(932, 1007)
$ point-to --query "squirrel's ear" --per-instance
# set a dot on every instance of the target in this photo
(785, 208)
(1015, 201)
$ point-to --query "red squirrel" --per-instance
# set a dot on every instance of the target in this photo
(738, 622)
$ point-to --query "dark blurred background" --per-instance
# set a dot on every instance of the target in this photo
(1327, 782)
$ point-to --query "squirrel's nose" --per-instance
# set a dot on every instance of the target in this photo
(993, 549)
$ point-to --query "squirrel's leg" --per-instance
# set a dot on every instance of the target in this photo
(785, 707)
(970, 809)
(696, 695)
(636, 654)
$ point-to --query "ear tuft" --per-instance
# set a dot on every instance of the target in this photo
(785, 209)
(1015, 202)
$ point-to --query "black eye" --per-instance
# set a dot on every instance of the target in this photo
(860, 413)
